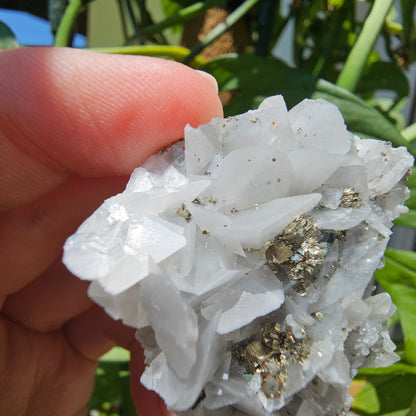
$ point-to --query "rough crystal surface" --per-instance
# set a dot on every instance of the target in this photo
(244, 256)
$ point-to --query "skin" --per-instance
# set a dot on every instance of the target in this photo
(73, 125)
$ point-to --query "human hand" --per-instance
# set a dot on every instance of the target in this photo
(73, 124)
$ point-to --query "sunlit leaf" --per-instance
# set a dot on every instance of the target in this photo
(398, 277)
(400, 368)
(407, 220)
(116, 354)
(336, 3)
(7, 38)
(385, 395)
(385, 391)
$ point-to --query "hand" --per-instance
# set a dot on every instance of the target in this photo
(73, 125)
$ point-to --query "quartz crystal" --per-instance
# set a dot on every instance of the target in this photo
(244, 257)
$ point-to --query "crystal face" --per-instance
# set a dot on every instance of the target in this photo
(244, 257)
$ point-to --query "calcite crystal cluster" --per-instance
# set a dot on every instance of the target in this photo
(244, 256)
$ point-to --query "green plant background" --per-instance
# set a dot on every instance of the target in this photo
(333, 57)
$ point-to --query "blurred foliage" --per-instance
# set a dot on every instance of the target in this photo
(171, 7)
(111, 396)
(323, 35)
(387, 395)
(7, 38)
(408, 219)
(56, 9)
(398, 277)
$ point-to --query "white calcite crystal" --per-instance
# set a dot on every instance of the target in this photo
(244, 256)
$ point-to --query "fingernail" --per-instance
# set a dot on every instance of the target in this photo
(209, 77)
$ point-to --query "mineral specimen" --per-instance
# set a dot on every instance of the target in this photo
(244, 257)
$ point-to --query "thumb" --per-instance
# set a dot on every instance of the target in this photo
(66, 111)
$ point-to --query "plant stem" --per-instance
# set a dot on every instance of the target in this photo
(182, 15)
(131, 16)
(221, 28)
(357, 59)
(123, 19)
(409, 133)
(64, 32)
(175, 52)
(265, 25)
(145, 18)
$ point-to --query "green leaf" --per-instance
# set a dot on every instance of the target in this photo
(386, 391)
(254, 78)
(411, 183)
(386, 76)
(392, 109)
(7, 38)
(323, 37)
(111, 394)
(412, 411)
(336, 3)
(409, 31)
(399, 368)
(408, 219)
(387, 395)
(398, 277)
(107, 387)
(116, 354)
